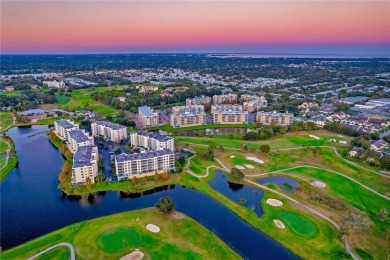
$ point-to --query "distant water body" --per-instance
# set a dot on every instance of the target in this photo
(276, 55)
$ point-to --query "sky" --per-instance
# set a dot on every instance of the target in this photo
(341, 27)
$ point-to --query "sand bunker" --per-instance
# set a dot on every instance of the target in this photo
(152, 228)
(249, 166)
(279, 224)
(232, 156)
(240, 167)
(135, 255)
(343, 142)
(315, 137)
(274, 202)
(318, 184)
(340, 136)
(255, 159)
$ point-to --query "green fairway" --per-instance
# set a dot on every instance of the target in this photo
(62, 100)
(114, 236)
(3, 147)
(169, 128)
(6, 120)
(299, 224)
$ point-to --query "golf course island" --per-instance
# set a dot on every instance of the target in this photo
(119, 235)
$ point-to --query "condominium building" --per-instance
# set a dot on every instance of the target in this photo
(196, 109)
(144, 164)
(152, 141)
(230, 117)
(85, 164)
(62, 127)
(225, 107)
(187, 119)
(77, 138)
(54, 84)
(253, 103)
(112, 132)
(276, 118)
(147, 116)
(221, 99)
(198, 101)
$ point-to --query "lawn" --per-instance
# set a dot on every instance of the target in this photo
(299, 224)
(12, 160)
(3, 147)
(6, 121)
(169, 128)
(114, 236)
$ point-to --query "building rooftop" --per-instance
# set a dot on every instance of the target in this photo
(274, 113)
(78, 135)
(84, 156)
(352, 100)
(65, 124)
(142, 156)
(146, 111)
(110, 125)
(230, 112)
(187, 114)
(161, 138)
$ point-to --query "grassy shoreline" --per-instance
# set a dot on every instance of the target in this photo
(12, 159)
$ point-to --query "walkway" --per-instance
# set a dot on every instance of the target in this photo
(7, 156)
(72, 255)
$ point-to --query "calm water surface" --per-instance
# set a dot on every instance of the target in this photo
(281, 181)
(32, 205)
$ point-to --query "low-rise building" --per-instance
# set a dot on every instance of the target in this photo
(230, 117)
(147, 116)
(54, 84)
(198, 101)
(144, 164)
(225, 99)
(187, 119)
(353, 152)
(254, 105)
(196, 109)
(85, 164)
(62, 127)
(111, 131)
(378, 145)
(225, 108)
(152, 141)
(77, 138)
(276, 118)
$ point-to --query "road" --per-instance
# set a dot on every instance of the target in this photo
(72, 255)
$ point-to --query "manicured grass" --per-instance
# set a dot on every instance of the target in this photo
(114, 236)
(3, 147)
(169, 128)
(62, 100)
(6, 93)
(12, 160)
(6, 120)
(2, 161)
(299, 224)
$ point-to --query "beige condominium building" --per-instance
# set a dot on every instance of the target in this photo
(54, 84)
(152, 141)
(198, 101)
(147, 116)
(225, 107)
(144, 164)
(112, 132)
(229, 98)
(77, 138)
(62, 127)
(275, 118)
(253, 103)
(85, 164)
(196, 109)
(230, 117)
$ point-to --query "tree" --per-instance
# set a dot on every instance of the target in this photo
(264, 148)
(165, 205)
(220, 148)
(88, 183)
(383, 214)
(236, 174)
(355, 221)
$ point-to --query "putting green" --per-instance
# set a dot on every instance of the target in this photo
(299, 224)
(116, 239)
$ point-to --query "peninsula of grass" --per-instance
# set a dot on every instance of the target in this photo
(114, 236)
(12, 157)
(169, 128)
(6, 120)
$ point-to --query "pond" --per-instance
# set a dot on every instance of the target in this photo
(284, 183)
(32, 205)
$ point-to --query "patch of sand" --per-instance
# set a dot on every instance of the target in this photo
(340, 136)
(343, 142)
(315, 137)
(240, 167)
(232, 156)
(249, 166)
(255, 159)
(274, 202)
(318, 184)
(279, 224)
(135, 255)
(152, 228)
(176, 215)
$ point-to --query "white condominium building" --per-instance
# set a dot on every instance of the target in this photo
(198, 101)
(276, 118)
(147, 116)
(77, 138)
(62, 127)
(85, 164)
(144, 164)
(112, 132)
(54, 84)
(230, 117)
(225, 107)
(152, 141)
(221, 99)
(196, 109)
(253, 103)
